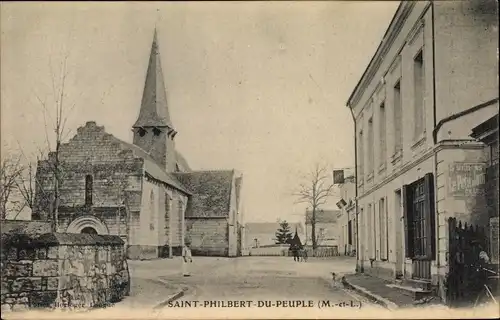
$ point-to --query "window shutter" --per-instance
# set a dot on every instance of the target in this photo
(408, 221)
(429, 216)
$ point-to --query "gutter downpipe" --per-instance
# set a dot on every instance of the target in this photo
(359, 269)
(436, 218)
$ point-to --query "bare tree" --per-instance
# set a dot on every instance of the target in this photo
(57, 122)
(315, 192)
(11, 169)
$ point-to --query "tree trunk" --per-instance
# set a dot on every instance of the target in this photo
(55, 218)
(313, 230)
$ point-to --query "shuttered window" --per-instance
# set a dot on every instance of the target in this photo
(382, 134)
(398, 118)
(383, 234)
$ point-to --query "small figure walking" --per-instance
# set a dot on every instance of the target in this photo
(186, 259)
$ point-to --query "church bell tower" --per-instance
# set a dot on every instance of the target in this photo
(153, 130)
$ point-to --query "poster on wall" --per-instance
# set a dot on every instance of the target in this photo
(466, 179)
(494, 240)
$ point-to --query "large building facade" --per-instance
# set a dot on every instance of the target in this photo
(144, 191)
(432, 79)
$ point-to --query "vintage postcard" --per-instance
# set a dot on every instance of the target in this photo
(249, 160)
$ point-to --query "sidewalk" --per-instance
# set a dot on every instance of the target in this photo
(376, 289)
(149, 288)
(150, 293)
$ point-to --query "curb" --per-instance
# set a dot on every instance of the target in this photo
(370, 295)
(179, 294)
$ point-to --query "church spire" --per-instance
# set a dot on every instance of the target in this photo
(154, 106)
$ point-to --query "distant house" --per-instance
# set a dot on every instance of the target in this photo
(258, 234)
(326, 227)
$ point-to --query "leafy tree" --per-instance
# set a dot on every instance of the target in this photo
(283, 234)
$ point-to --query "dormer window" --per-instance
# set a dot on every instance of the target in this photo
(142, 132)
(156, 131)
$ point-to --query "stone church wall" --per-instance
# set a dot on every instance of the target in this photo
(209, 236)
(149, 229)
(57, 270)
(115, 172)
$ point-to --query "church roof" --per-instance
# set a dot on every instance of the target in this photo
(152, 168)
(154, 106)
(211, 192)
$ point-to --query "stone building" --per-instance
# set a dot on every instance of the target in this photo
(346, 218)
(326, 227)
(262, 234)
(144, 191)
(432, 79)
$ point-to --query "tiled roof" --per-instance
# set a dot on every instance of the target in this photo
(211, 192)
(270, 227)
(323, 216)
(152, 168)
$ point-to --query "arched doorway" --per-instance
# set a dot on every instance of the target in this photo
(87, 224)
(88, 230)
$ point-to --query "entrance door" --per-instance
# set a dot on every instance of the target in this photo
(421, 263)
(419, 226)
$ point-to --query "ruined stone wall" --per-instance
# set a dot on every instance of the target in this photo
(62, 270)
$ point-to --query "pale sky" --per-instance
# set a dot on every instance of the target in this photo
(259, 87)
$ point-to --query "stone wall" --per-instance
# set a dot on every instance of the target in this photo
(57, 270)
(209, 236)
(116, 173)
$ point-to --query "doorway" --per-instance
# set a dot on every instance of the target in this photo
(89, 230)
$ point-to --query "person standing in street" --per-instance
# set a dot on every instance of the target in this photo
(186, 259)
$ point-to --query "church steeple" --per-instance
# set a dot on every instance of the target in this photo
(154, 106)
(153, 130)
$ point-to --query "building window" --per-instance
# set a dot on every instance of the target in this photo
(152, 211)
(370, 146)
(419, 94)
(349, 232)
(398, 117)
(382, 134)
(383, 230)
(142, 132)
(361, 156)
(156, 131)
(89, 181)
(370, 219)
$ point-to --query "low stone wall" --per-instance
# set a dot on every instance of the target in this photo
(58, 270)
